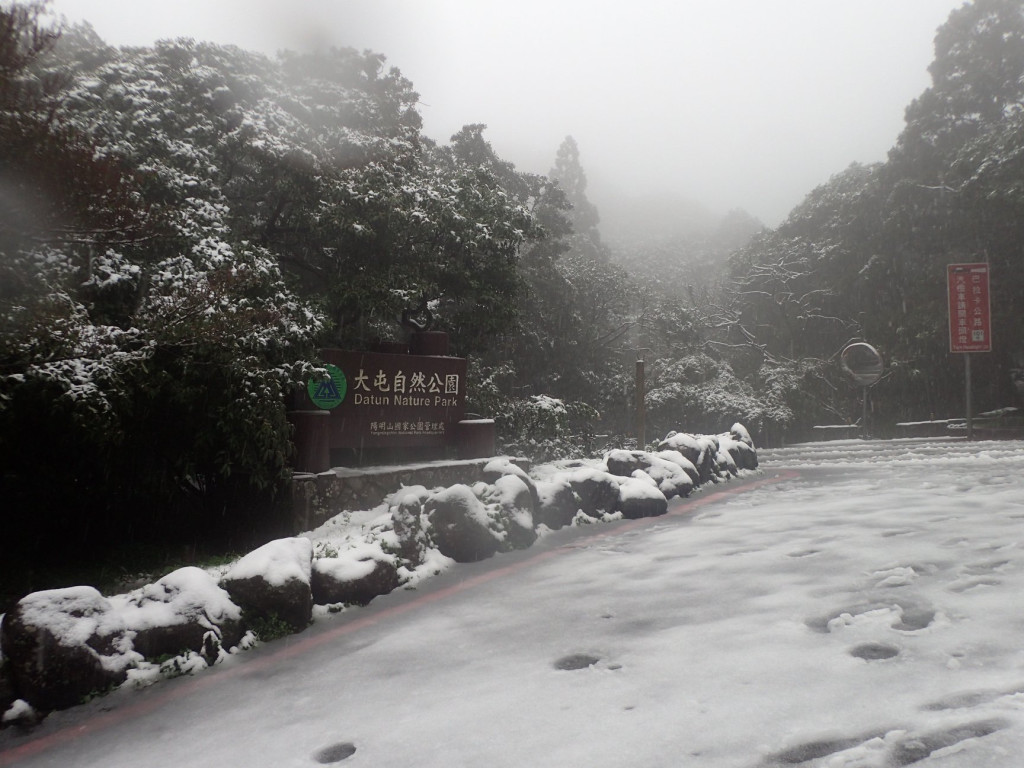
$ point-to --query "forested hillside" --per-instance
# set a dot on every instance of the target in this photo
(864, 256)
(182, 226)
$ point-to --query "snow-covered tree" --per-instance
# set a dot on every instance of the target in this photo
(569, 174)
(864, 256)
(141, 342)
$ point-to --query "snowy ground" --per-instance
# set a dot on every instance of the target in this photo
(859, 606)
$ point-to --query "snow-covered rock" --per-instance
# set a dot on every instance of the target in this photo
(557, 503)
(18, 712)
(598, 491)
(64, 644)
(725, 464)
(185, 610)
(639, 498)
(513, 502)
(502, 467)
(354, 577)
(460, 526)
(273, 581)
(469, 524)
(700, 450)
(406, 509)
(682, 462)
(668, 476)
(737, 443)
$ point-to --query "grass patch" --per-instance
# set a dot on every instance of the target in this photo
(267, 628)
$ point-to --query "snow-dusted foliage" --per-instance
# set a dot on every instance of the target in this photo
(144, 337)
(318, 159)
(864, 256)
(545, 428)
(699, 390)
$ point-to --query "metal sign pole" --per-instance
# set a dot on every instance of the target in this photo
(970, 320)
(967, 392)
(864, 416)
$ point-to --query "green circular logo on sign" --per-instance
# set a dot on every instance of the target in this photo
(328, 393)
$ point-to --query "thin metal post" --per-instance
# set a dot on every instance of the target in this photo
(967, 392)
(864, 416)
(641, 393)
(640, 412)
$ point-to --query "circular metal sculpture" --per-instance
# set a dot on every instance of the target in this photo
(862, 363)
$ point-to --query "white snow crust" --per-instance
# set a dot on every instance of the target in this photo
(188, 592)
(344, 568)
(858, 610)
(277, 562)
(72, 614)
(639, 487)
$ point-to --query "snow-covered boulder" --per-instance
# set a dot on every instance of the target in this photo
(557, 503)
(354, 577)
(639, 497)
(273, 581)
(622, 463)
(502, 467)
(470, 524)
(669, 476)
(597, 491)
(406, 508)
(512, 501)
(688, 445)
(675, 457)
(738, 444)
(64, 644)
(739, 432)
(18, 712)
(460, 525)
(699, 450)
(725, 465)
(185, 610)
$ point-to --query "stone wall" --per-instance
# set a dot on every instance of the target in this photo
(316, 498)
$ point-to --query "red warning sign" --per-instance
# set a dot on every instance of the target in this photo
(970, 314)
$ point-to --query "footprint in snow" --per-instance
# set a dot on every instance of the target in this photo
(874, 651)
(335, 753)
(576, 661)
(903, 749)
(968, 699)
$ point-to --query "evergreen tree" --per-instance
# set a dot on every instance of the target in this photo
(865, 255)
(568, 173)
(140, 342)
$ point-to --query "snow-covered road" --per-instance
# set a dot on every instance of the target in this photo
(860, 605)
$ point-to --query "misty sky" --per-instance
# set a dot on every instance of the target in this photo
(731, 103)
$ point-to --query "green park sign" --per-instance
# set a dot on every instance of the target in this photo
(383, 400)
(328, 392)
